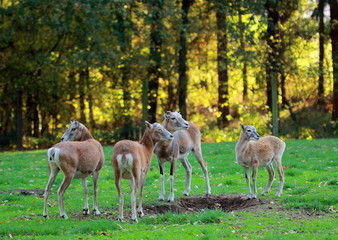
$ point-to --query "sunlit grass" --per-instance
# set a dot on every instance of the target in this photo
(310, 186)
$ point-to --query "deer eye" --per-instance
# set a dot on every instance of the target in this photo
(249, 130)
(73, 129)
(173, 118)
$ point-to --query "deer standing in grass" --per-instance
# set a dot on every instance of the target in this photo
(187, 138)
(254, 152)
(78, 155)
(131, 160)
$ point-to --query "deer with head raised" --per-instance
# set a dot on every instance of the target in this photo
(187, 138)
(131, 160)
(254, 152)
(78, 155)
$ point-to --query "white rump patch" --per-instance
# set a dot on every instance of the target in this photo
(53, 154)
(126, 163)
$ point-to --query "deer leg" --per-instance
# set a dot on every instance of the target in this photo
(85, 190)
(254, 178)
(61, 192)
(117, 179)
(134, 185)
(278, 162)
(198, 154)
(142, 182)
(171, 178)
(162, 168)
(271, 177)
(247, 177)
(53, 171)
(188, 168)
(96, 175)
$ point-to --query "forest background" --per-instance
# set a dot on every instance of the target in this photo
(113, 64)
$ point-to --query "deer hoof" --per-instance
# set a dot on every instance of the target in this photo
(64, 217)
(135, 220)
(86, 211)
(46, 216)
(121, 220)
(96, 212)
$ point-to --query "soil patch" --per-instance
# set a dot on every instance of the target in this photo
(226, 203)
(197, 203)
(36, 192)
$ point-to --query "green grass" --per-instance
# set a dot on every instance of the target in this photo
(302, 212)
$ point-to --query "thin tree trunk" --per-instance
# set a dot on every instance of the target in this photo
(72, 92)
(171, 104)
(154, 73)
(36, 122)
(182, 60)
(123, 19)
(222, 64)
(334, 43)
(145, 102)
(245, 62)
(90, 102)
(82, 82)
(272, 67)
(321, 53)
(19, 121)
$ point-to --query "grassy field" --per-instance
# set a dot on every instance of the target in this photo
(305, 210)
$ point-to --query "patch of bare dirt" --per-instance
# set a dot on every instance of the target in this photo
(197, 203)
(226, 203)
(36, 192)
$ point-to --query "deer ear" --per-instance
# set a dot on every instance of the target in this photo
(242, 127)
(148, 125)
(166, 116)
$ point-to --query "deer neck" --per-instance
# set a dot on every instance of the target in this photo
(165, 124)
(85, 134)
(147, 141)
(241, 144)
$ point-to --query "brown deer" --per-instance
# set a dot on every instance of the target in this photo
(187, 138)
(131, 160)
(78, 155)
(254, 152)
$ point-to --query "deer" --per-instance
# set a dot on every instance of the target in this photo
(131, 160)
(78, 155)
(255, 152)
(187, 138)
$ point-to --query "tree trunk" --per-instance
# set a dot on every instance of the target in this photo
(72, 92)
(154, 72)
(334, 43)
(19, 121)
(145, 102)
(171, 104)
(272, 66)
(321, 53)
(36, 122)
(123, 19)
(222, 64)
(92, 123)
(245, 62)
(82, 82)
(182, 60)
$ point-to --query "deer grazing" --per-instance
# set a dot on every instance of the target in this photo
(187, 138)
(254, 152)
(78, 155)
(131, 160)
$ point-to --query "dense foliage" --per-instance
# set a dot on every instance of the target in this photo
(114, 64)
